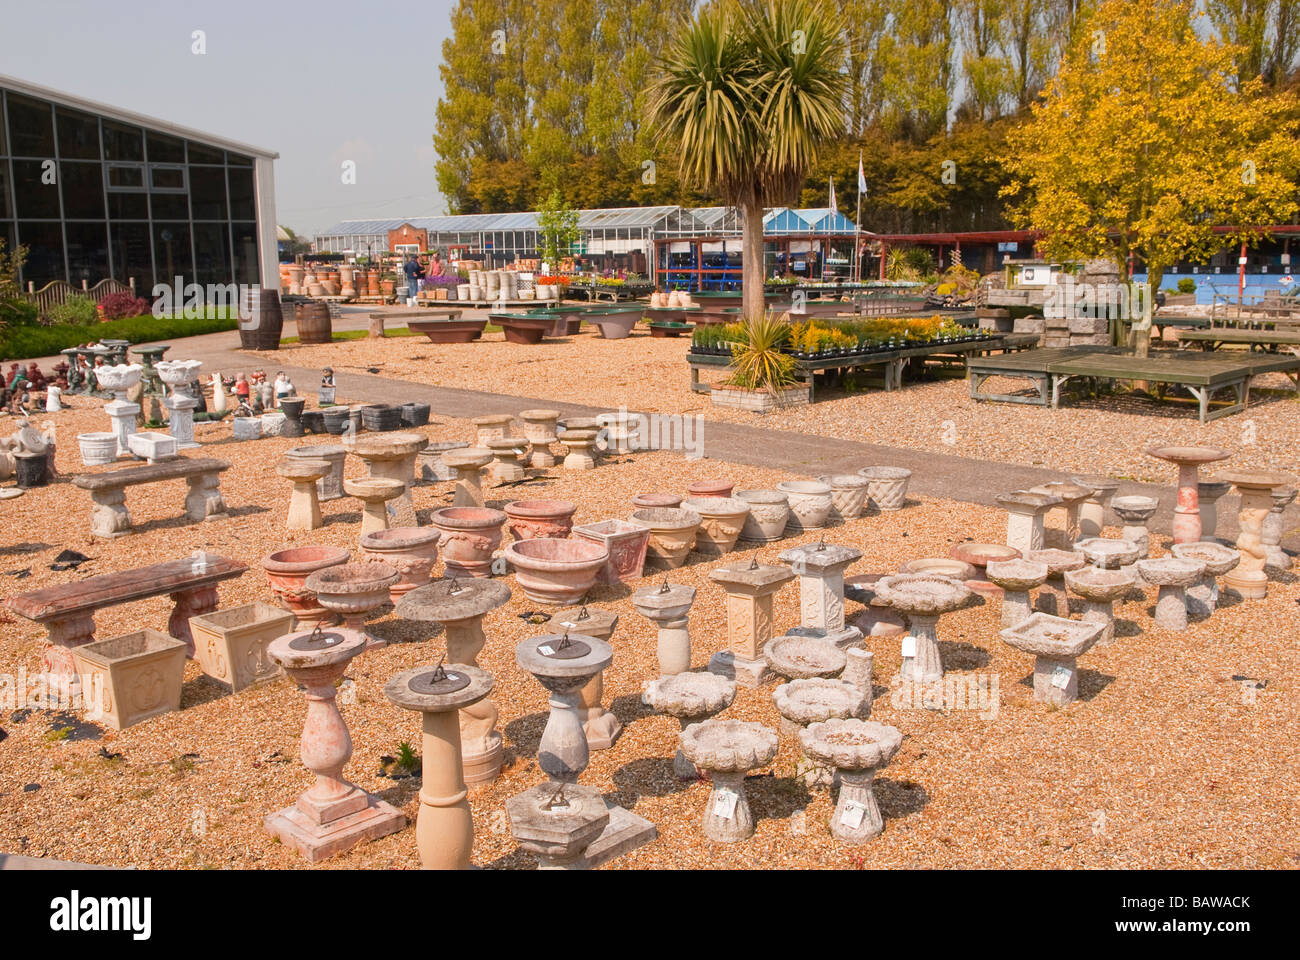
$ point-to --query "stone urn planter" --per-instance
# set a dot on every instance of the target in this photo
(230, 645)
(721, 520)
(411, 551)
(624, 542)
(97, 448)
(246, 428)
(672, 534)
(556, 571)
(848, 495)
(888, 486)
(470, 535)
(353, 590)
(769, 512)
(132, 677)
(287, 572)
(810, 503)
(710, 488)
(532, 519)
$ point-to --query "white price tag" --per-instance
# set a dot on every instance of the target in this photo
(724, 805)
(909, 646)
(852, 815)
(1061, 678)
(545, 649)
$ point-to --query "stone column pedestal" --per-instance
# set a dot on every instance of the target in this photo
(180, 423)
(749, 621)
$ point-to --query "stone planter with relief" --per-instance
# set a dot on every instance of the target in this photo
(132, 677)
(230, 645)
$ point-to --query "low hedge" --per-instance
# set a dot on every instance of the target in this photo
(23, 342)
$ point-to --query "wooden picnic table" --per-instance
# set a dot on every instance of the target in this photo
(1265, 341)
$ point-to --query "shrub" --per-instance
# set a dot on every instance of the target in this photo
(76, 311)
(118, 306)
(23, 342)
(759, 360)
(1186, 285)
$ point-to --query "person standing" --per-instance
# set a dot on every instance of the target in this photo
(412, 270)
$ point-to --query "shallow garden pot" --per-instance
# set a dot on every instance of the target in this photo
(381, 417)
(710, 488)
(132, 677)
(769, 512)
(287, 572)
(469, 537)
(97, 448)
(810, 503)
(246, 428)
(336, 420)
(411, 551)
(721, 520)
(152, 446)
(449, 331)
(531, 519)
(672, 534)
(230, 645)
(624, 542)
(848, 495)
(888, 486)
(643, 501)
(556, 571)
(415, 414)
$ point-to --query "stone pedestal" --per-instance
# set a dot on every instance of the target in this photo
(600, 725)
(1275, 558)
(1056, 644)
(329, 486)
(750, 591)
(491, 427)
(1209, 492)
(1072, 496)
(579, 444)
(923, 598)
(304, 502)
(467, 464)
(123, 415)
(857, 749)
(444, 827)
(1025, 512)
(820, 569)
(509, 457)
(539, 429)
(333, 816)
(392, 456)
(667, 606)
(1135, 513)
(1249, 578)
(1187, 513)
(727, 750)
(374, 494)
(180, 422)
(1092, 513)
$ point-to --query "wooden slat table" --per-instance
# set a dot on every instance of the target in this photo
(1266, 341)
(68, 611)
(1031, 365)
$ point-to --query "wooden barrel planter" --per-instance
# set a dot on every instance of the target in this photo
(314, 325)
(265, 323)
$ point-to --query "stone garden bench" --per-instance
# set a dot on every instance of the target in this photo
(68, 610)
(109, 518)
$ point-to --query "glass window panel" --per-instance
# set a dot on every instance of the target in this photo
(128, 206)
(35, 200)
(87, 252)
(172, 255)
(204, 154)
(7, 235)
(165, 149)
(247, 266)
(122, 177)
(235, 160)
(31, 127)
(44, 254)
(242, 204)
(78, 135)
(167, 178)
(169, 206)
(4, 138)
(83, 190)
(6, 208)
(208, 193)
(212, 252)
(122, 142)
(132, 256)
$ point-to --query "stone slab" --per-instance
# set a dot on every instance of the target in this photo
(746, 673)
(624, 833)
(319, 842)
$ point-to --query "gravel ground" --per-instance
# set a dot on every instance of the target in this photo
(1095, 436)
(1166, 761)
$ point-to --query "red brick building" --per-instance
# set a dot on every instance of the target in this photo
(408, 239)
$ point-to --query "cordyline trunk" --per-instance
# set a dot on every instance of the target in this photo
(752, 254)
(1142, 329)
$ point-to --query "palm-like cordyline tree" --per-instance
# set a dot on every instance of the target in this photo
(750, 90)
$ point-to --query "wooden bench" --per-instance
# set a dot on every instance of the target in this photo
(376, 330)
(109, 517)
(68, 611)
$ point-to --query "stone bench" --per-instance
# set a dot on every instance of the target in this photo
(109, 517)
(68, 610)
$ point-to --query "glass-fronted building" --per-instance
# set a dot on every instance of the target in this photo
(95, 192)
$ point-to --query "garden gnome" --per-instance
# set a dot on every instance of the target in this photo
(52, 402)
(283, 386)
(241, 389)
(35, 376)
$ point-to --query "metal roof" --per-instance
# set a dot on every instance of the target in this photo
(609, 218)
(127, 116)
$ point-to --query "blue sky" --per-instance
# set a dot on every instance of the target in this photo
(319, 83)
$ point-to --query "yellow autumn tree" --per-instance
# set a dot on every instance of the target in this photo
(1144, 142)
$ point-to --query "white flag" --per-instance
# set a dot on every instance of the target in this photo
(833, 206)
(862, 177)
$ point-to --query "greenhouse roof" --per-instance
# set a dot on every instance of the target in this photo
(600, 219)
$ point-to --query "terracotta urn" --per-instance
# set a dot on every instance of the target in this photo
(411, 551)
(710, 488)
(644, 501)
(287, 572)
(470, 535)
(530, 519)
(353, 590)
(672, 534)
(556, 571)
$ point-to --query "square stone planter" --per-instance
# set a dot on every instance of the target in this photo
(134, 676)
(625, 542)
(230, 645)
(758, 401)
(152, 446)
(246, 428)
